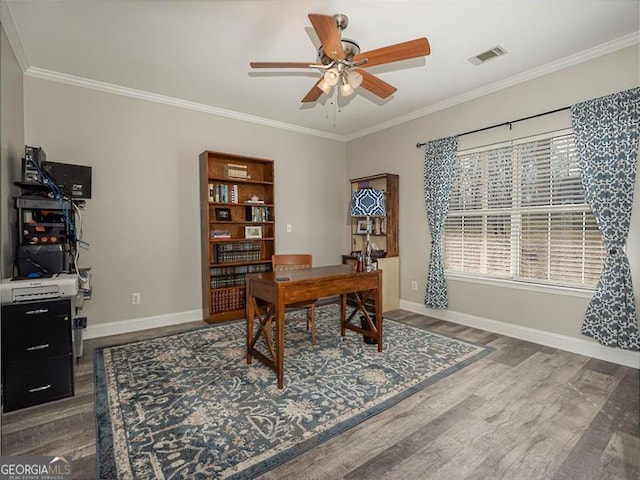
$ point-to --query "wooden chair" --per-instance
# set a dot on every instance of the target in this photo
(297, 261)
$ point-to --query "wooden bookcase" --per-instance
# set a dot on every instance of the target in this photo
(385, 230)
(384, 235)
(237, 219)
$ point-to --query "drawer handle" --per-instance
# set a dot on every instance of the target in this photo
(35, 312)
(39, 389)
(38, 347)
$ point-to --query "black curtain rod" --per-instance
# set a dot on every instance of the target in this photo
(418, 145)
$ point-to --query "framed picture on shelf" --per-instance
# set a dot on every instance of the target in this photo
(223, 214)
(362, 226)
(253, 231)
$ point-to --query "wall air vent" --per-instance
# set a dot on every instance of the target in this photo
(494, 52)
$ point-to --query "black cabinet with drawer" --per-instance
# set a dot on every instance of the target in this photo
(37, 353)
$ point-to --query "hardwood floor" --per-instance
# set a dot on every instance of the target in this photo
(523, 412)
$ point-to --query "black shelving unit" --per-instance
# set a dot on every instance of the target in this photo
(47, 224)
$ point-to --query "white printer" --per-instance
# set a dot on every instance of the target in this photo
(60, 285)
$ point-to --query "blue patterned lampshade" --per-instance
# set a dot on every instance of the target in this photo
(368, 202)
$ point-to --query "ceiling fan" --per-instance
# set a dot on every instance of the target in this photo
(342, 62)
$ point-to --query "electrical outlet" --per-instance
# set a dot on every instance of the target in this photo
(135, 298)
(414, 285)
(289, 228)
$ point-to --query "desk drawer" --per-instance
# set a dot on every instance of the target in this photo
(38, 382)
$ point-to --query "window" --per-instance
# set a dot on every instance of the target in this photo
(518, 212)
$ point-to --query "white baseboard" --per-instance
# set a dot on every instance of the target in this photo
(137, 324)
(585, 346)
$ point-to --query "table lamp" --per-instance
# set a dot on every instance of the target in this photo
(368, 202)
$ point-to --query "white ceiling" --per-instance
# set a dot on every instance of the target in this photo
(197, 53)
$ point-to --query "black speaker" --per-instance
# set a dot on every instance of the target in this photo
(39, 260)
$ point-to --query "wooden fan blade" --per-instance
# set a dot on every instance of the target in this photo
(394, 53)
(313, 94)
(327, 31)
(376, 86)
(281, 65)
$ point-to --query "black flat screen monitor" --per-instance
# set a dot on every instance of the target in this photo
(73, 180)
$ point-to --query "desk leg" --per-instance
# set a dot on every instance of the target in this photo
(250, 312)
(378, 300)
(279, 358)
(343, 314)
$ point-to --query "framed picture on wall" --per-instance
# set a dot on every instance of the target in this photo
(223, 214)
(253, 231)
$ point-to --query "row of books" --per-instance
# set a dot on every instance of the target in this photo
(257, 214)
(237, 246)
(241, 269)
(235, 257)
(221, 193)
(227, 299)
(237, 252)
(227, 281)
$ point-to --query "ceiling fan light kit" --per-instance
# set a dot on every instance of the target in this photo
(349, 82)
(329, 79)
(345, 88)
(338, 57)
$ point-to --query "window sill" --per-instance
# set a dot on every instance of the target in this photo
(521, 285)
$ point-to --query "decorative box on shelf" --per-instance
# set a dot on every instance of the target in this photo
(234, 170)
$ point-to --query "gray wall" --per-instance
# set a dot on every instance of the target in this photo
(394, 151)
(11, 148)
(143, 222)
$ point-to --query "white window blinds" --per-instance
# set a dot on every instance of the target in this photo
(517, 211)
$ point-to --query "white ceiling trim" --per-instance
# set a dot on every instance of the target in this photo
(44, 74)
(12, 34)
(35, 72)
(605, 48)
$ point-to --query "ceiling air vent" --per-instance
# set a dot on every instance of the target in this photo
(488, 55)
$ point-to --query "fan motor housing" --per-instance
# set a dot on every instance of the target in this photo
(351, 49)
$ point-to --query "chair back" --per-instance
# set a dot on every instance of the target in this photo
(291, 261)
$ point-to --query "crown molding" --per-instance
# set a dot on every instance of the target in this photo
(82, 82)
(35, 72)
(600, 50)
(12, 34)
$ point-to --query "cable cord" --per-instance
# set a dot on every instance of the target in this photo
(75, 227)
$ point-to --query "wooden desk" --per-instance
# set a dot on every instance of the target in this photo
(279, 289)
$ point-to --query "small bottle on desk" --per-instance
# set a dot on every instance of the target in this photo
(360, 263)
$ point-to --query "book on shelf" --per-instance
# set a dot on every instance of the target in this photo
(221, 193)
(220, 234)
(257, 214)
(379, 226)
(237, 252)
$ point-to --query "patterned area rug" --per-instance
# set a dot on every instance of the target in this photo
(188, 405)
